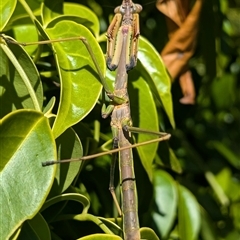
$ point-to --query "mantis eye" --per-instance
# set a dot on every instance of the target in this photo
(136, 8)
(122, 9)
(119, 9)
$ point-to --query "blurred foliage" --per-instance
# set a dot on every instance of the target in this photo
(195, 191)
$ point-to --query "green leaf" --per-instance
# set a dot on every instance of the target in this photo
(36, 228)
(26, 141)
(159, 79)
(144, 116)
(148, 234)
(21, 13)
(84, 217)
(207, 228)
(188, 215)
(217, 188)
(165, 195)
(225, 86)
(233, 15)
(167, 158)
(66, 197)
(233, 159)
(49, 107)
(233, 235)
(235, 214)
(88, 17)
(69, 146)
(15, 234)
(51, 10)
(100, 237)
(113, 224)
(26, 33)
(20, 80)
(7, 8)
(229, 185)
(174, 162)
(80, 86)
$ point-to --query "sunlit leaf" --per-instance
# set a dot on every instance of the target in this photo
(148, 234)
(80, 86)
(26, 33)
(101, 237)
(51, 10)
(159, 79)
(69, 146)
(143, 110)
(20, 81)
(188, 215)
(26, 141)
(7, 8)
(89, 18)
(66, 197)
(165, 195)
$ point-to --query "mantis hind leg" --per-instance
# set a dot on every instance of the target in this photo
(112, 172)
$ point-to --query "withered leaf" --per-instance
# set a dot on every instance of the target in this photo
(183, 29)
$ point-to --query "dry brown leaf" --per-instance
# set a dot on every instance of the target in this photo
(183, 29)
(176, 10)
(187, 87)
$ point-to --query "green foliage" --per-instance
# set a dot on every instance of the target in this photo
(50, 100)
(26, 141)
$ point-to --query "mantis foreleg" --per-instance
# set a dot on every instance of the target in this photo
(115, 38)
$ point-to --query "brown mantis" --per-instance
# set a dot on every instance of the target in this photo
(122, 49)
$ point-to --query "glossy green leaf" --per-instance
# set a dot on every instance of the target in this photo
(20, 11)
(148, 234)
(7, 8)
(232, 158)
(51, 10)
(159, 78)
(26, 33)
(165, 195)
(26, 141)
(113, 224)
(100, 237)
(36, 228)
(80, 86)
(144, 114)
(56, 11)
(20, 81)
(69, 146)
(49, 107)
(66, 197)
(84, 217)
(189, 220)
(15, 234)
(88, 17)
